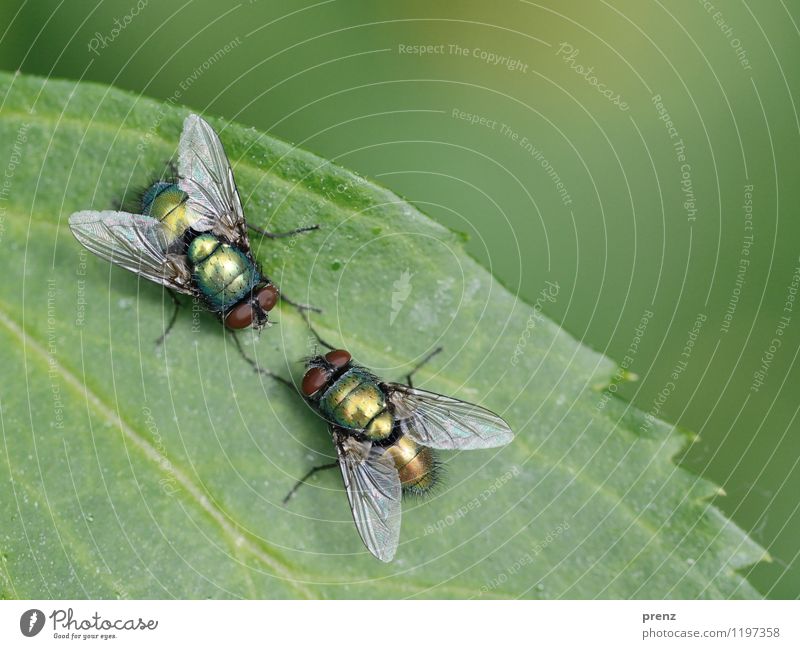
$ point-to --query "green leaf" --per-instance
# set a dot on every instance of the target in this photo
(137, 471)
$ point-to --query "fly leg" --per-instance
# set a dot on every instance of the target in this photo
(304, 479)
(420, 364)
(170, 171)
(256, 367)
(281, 235)
(302, 308)
(319, 338)
(174, 317)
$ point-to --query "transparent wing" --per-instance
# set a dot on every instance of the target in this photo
(135, 242)
(373, 489)
(438, 421)
(206, 176)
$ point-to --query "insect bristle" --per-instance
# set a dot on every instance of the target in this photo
(312, 360)
(432, 480)
(135, 198)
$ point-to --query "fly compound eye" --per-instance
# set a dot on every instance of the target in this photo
(338, 358)
(314, 380)
(240, 317)
(267, 297)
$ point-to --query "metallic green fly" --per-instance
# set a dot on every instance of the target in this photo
(191, 235)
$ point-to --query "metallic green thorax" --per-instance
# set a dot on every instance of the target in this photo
(222, 273)
(356, 402)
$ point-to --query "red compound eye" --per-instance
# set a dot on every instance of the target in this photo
(240, 316)
(268, 297)
(314, 380)
(338, 358)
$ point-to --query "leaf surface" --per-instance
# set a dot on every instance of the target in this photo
(136, 471)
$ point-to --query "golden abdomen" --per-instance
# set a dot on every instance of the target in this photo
(416, 465)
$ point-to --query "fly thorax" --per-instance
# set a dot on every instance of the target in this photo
(223, 273)
(356, 402)
(202, 248)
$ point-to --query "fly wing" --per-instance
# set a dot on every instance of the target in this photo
(438, 421)
(135, 242)
(207, 178)
(373, 489)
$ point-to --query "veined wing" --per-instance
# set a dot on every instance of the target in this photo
(373, 489)
(135, 242)
(206, 176)
(438, 421)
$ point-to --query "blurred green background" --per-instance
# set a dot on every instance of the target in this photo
(533, 127)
